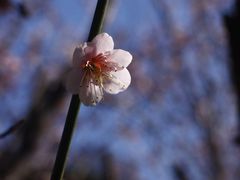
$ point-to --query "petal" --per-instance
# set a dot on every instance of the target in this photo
(90, 94)
(73, 81)
(90, 49)
(117, 81)
(123, 58)
(78, 55)
(102, 43)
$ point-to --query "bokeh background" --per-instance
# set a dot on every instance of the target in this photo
(178, 120)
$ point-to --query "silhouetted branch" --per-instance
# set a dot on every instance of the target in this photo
(233, 30)
(12, 129)
(33, 125)
(179, 172)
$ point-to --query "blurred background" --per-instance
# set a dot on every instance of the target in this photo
(178, 120)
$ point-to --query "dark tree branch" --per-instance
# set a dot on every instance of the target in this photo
(12, 129)
(232, 23)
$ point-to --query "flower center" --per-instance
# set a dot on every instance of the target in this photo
(95, 64)
(98, 68)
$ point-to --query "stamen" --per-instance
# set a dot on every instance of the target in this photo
(88, 79)
(83, 77)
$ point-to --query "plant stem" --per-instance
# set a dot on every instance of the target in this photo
(98, 19)
(64, 145)
(63, 149)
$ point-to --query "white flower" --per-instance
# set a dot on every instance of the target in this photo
(97, 67)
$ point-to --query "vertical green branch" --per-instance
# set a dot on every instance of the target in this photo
(98, 18)
(60, 162)
(58, 169)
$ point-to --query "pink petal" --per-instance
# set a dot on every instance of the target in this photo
(78, 55)
(90, 49)
(123, 58)
(90, 94)
(102, 43)
(117, 81)
(73, 81)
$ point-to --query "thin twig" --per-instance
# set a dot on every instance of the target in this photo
(12, 129)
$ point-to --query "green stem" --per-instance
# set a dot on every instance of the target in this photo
(64, 145)
(98, 19)
(60, 162)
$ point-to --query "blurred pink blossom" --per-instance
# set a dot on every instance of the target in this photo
(9, 70)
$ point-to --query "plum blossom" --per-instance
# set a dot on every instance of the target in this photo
(97, 67)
